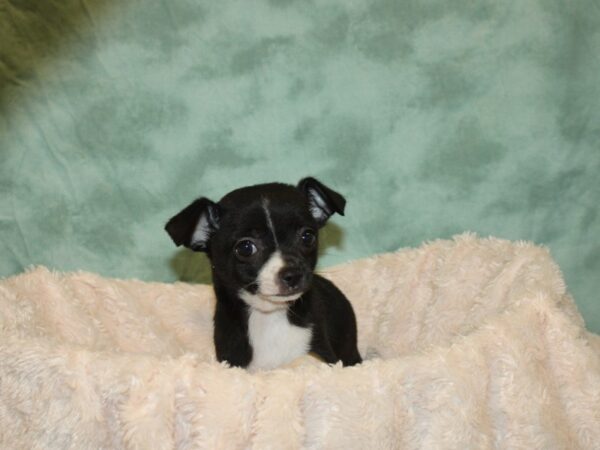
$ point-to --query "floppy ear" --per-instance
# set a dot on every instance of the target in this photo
(322, 201)
(193, 226)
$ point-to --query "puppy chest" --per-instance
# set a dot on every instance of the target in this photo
(274, 340)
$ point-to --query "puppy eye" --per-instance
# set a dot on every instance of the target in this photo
(245, 248)
(308, 237)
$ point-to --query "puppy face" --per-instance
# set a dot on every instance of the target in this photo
(262, 240)
(266, 245)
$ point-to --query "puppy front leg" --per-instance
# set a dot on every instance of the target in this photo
(321, 346)
(231, 343)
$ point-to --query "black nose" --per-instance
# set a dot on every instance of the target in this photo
(291, 277)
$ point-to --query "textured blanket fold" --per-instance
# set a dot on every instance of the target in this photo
(470, 343)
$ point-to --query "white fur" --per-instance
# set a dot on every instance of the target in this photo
(268, 277)
(275, 341)
(317, 205)
(265, 205)
(267, 297)
(266, 304)
(202, 231)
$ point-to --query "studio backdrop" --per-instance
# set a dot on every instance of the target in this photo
(431, 117)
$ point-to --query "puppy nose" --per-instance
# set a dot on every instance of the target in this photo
(291, 277)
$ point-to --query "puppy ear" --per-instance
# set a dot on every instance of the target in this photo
(193, 226)
(322, 201)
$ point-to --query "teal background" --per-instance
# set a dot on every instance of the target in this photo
(431, 117)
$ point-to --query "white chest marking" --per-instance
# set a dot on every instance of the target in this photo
(274, 340)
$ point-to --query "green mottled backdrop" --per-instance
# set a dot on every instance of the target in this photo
(432, 117)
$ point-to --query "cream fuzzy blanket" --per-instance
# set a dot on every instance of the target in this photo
(470, 344)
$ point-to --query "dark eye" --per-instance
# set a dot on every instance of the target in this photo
(245, 248)
(308, 237)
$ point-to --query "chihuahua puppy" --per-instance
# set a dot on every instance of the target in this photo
(262, 242)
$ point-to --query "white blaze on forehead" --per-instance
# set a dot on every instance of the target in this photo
(265, 205)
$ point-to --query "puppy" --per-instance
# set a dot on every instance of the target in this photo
(262, 242)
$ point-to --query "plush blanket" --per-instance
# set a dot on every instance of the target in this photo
(470, 343)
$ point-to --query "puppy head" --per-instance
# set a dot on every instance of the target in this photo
(262, 240)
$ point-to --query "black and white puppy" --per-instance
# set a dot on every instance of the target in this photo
(262, 242)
